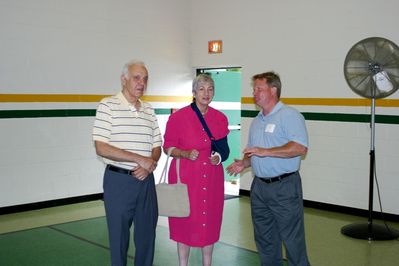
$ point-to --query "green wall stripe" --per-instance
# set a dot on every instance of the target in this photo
(163, 111)
(247, 113)
(382, 119)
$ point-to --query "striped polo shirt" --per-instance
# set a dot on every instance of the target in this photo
(119, 124)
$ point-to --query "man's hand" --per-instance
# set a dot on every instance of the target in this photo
(236, 167)
(261, 152)
(147, 163)
(140, 173)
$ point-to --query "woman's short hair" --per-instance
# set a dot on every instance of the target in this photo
(202, 78)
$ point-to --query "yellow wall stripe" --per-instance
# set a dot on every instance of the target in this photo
(9, 98)
(19, 98)
(14, 98)
(153, 98)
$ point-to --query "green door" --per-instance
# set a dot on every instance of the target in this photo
(227, 99)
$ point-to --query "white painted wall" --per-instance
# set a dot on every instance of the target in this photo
(306, 42)
(77, 47)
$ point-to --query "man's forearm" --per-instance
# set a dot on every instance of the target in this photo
(291, 149)
(115, 154)
(246, 161)
(156, 153)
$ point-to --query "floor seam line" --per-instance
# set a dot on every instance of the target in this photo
(82, 239)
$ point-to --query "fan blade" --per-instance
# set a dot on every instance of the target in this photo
(371, 67)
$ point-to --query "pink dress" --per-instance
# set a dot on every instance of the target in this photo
(205, 181)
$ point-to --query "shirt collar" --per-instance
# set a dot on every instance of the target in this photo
(124, 101)
(276, 108)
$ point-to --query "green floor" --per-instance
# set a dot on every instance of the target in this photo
(77, 235)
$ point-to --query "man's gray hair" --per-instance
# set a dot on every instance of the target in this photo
(128, 65)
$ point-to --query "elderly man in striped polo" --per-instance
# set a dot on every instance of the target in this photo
(127, 137)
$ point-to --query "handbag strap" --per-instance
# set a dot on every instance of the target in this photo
(165, 168)
(202, 120)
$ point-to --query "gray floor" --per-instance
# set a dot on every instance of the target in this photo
(76, 235)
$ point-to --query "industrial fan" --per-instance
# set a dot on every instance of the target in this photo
(371, 70)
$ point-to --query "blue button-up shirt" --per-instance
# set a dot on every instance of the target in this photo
(282, 125)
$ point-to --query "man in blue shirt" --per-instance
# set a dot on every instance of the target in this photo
(277, 141)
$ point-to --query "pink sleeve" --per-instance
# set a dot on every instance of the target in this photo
(221, 125)
(171, 138)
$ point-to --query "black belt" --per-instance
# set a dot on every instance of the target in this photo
(119, 170)
(276, 178)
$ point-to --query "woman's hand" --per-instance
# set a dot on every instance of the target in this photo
(190, 154)
(215, 158)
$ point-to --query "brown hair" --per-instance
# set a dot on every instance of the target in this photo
(272, 80)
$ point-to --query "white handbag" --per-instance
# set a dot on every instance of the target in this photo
(172, 199)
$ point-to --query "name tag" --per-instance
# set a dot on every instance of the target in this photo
(270, 128)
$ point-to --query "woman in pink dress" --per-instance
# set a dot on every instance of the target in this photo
(201, 171)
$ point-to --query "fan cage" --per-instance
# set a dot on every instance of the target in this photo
(371, 68)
